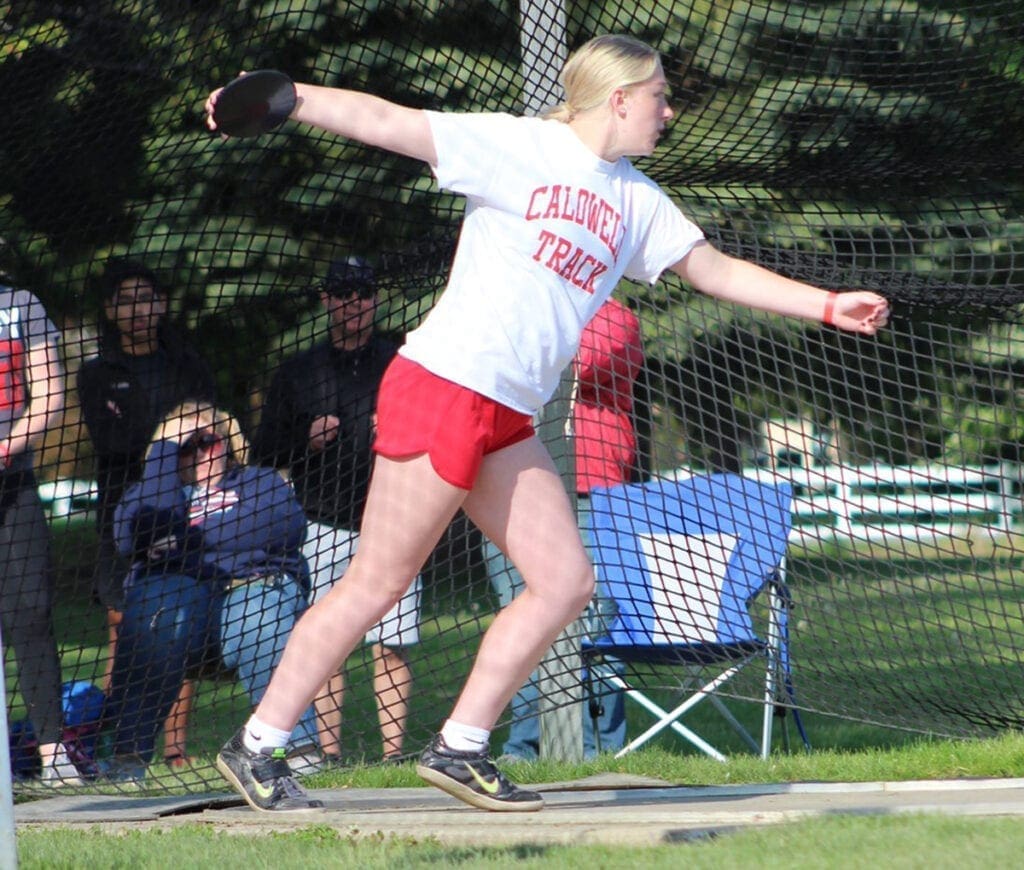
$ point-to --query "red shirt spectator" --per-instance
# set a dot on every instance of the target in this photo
(606, 368)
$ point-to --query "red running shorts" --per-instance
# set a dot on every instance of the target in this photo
(419, 412)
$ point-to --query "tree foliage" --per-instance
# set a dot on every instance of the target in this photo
(863, 143)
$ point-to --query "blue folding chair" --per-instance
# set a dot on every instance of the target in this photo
(682, 560)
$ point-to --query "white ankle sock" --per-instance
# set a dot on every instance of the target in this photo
(258, 736)
(465, 738)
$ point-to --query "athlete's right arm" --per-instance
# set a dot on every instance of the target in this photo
(366, 118)
(362, 117)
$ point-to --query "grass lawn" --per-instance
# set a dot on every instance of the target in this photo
(927, 641)
(837, 842)
(827, 842)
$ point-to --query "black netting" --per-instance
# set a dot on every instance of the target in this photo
(847, 144)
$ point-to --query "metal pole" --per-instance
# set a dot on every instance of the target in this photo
(543, 44)
(559, 683)
(8, 843)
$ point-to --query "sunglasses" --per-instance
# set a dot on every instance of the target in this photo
(199, 441)
(347, 292)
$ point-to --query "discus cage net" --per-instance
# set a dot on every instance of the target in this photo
(858, 144)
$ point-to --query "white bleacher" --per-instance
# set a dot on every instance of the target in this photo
(876, 502)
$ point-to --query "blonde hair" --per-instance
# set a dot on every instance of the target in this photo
(204, 416)
(598, 68)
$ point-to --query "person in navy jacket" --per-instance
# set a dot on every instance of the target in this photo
(217, 574)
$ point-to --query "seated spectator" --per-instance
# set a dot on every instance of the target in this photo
(217, 574)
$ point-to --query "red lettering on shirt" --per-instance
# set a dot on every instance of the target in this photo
(571, 262)
(533, 209)
(587, 283)
(551, 210)
(558, 255)
(212, 501)
(581, 207)
(569, 269)
(546, 238)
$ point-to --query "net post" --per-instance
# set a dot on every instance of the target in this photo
(542, 43)
(8, 842)
(542, 40)
(558, 681)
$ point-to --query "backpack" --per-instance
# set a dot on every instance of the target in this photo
(82, 706)
(82, 702)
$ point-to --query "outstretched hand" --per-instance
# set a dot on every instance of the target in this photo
(859, 311)
(211, 101)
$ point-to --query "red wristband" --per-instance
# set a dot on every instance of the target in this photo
(830, 306)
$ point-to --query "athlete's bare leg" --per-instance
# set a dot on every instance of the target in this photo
(520, 503)
(407, 509)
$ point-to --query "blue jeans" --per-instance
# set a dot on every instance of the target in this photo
(255, 622)
(524, 735)
(173, 623)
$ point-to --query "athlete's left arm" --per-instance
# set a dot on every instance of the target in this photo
(45, 387)
(734, 280)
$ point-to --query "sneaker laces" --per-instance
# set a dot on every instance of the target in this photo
(292, 789)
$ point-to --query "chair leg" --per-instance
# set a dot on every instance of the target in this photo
(737, 726)
(593, 705)
(614, 681)
(669, 719)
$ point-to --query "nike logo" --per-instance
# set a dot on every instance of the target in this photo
(490, 786)
(263, 791)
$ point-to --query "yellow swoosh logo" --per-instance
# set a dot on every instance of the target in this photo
(262, 790)
(489, 786)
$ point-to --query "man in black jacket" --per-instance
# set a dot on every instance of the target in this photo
(318, 424)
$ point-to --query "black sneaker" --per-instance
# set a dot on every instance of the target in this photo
(263, 778)
(473, 778)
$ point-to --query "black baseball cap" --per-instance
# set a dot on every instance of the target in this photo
(350, 275)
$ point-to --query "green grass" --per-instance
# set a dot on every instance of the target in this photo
(918, 759)
(868, 842)
(847, 841)
(875, 640)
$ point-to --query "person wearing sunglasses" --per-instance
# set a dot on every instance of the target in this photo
(318, 425)
(217, 577)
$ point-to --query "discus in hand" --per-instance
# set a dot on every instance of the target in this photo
(254, 103)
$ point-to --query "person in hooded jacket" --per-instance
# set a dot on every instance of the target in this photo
(217, 577)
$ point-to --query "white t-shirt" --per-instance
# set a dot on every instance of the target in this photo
(549, 230)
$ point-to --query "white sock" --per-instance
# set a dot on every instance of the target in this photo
(258, 736)
(465, 738)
